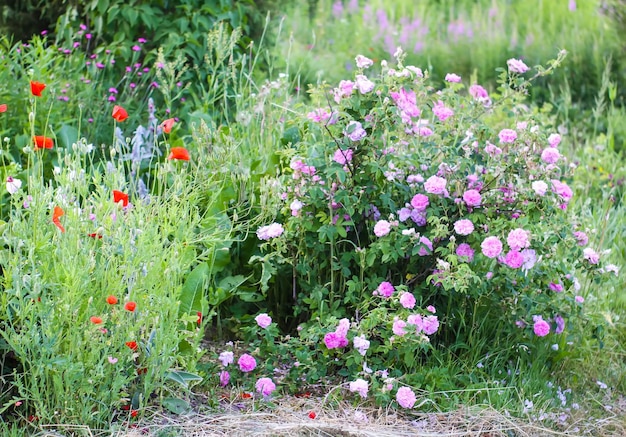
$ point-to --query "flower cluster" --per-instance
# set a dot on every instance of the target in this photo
(421, 199)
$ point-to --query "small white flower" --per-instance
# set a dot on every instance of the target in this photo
(13, 185)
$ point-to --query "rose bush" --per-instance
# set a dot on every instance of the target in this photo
(413, 217)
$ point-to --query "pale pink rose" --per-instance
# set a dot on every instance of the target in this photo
(263, 320)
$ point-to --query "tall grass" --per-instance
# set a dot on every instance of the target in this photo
(462, 37)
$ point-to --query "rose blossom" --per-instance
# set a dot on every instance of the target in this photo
(591, 255)
(507, 135)
(491, 247)
(465, 250)
(398, 327)
(581, 238)
(263, 320)
(424, 251)
(463, 227)
(382, 228)
(359, 386)
(363, 62)
(554, 140)
(518, 239)
(265, 386)
(332, 340)
(342, 156)
(247, 363)
(517, 66)
(407, 300)
(345, 89)
(539, 187)
(270, 231)
(492, 150)
(514, 259)
(420, 202)
(355, 131)
(452, 78)
(435, 185)
(480, 94)
(530, 258)
(363, 84)
(226, 358)
(224, 378)
(541, 327)
(550, 155)
(472, 198)
(555, 287)
(361, 344)
(430, 324)
(386, 289)
(405, 397)
(441, 111)
(562, 189)
(560, 324)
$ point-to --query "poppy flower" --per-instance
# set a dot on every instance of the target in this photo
(132, 345)
(118, 195)
(119, 113)
(36, 88)
(312, 415)
(133, 413)
(3, 107)
(95, 320)
(95, 235)
(245, 395)
(58, 212)
(42, 142)
(199, 318)
(167, 125)
(130, 306)
(179, 153)
(111, 300)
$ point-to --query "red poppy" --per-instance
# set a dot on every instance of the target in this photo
(118, 195)
(95, 320)
(167, 125)
(132, 345)
(3, 107)
(111, 300)
(58, 212)
(133, 413)
(119, 113)
(130, 306)
(42, 142)
(312, 415)
(95, 235)
(36, 88)
(245, 395)
(199, 318)
(179, 153)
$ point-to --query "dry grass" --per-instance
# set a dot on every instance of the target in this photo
(290, 417)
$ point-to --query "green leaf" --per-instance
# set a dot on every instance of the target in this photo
(192, 293)
(182, 378)
(67, 136)
(175, 405)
